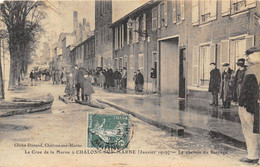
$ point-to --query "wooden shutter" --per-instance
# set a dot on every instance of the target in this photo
(123, 33)
(154, 18)
(195, 66)
(174, 11)
(182, 9)
(212, 53)
(137, 28)
(195, 12)
(144, 25)
(165, 13)
(224, 52)
(250, 3)
(213, 9)
(159, 16)
(249, 42)
(127, 36)
(225, 7)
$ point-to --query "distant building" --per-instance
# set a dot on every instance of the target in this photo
(103, 34)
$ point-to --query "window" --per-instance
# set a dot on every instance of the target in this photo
(236, 6)
(202, 56)
(162, 19)
(141, 62)
(125, 61)
(121, 63)
(131, 66)
(154, 19)
(204, 65)
(116, 63)
(129, 31)
(207, 10)
(177, 10)
(116, 38)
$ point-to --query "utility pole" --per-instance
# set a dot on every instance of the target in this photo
(2, 93)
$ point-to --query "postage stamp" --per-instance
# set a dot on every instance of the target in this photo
(108, 131)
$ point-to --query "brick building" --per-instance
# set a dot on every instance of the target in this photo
(181, 38)
(103, 34)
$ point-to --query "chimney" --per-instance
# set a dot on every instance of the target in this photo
(84, 21)
(75, 20)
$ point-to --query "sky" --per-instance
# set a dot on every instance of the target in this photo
(60, 16)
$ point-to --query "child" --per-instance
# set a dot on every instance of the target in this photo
(87, 87)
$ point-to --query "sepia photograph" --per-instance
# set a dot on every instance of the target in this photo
(129, 83)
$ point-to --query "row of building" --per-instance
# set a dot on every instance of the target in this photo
(178, 38)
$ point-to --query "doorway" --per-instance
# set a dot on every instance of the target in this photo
(169, 66)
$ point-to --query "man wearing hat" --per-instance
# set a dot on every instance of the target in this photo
(214, 83)
(249, 105)
(227, 86)
(240, 73)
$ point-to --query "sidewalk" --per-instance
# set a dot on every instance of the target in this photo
(217, 123)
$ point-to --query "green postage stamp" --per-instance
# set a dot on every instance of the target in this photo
(108, 131)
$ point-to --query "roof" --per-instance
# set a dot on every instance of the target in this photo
(147, 5)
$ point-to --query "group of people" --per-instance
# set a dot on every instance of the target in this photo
(228, 84)
(38, 75)
(241, 86)
(80, 81)
(59, 76)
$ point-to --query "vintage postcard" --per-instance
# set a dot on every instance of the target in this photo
(129, 83)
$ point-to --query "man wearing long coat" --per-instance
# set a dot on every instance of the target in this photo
(214, 83)
(249, 106)
(139, 81)
(227, 86)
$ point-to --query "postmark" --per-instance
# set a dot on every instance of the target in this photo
(107, 131)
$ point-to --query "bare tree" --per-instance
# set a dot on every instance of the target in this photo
(23, 22)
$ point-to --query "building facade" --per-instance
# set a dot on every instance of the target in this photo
(181, 38)
(103, 34)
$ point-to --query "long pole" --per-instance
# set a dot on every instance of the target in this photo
(2, 95)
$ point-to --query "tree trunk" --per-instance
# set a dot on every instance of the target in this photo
(2, 93)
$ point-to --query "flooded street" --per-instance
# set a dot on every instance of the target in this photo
(32, 138)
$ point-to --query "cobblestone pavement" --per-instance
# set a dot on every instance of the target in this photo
(67, 123)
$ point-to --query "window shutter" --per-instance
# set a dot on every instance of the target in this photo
(165, 13)
(119, 38)
(250, 3)
(249, 42)
(212, 53)
(137, 29)
(127, 36)
(195, 12)
(225, 7)
(182, 9)
(154, 18)
(174, 12)
(195, 66)
(133, 31)
(159, 16)
(144, 24)
(213, 9)
(123, 38)
(224, 57)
